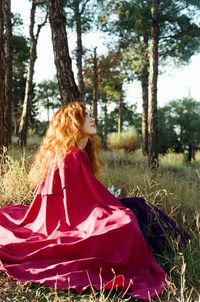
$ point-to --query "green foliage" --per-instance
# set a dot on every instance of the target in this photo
(179, 125)
(110, 74)
(85, 9)
(111, 77)
(47, 95)
(17, 23)
(168, 138)
(126, 140)
(130, 20)
(130, 118)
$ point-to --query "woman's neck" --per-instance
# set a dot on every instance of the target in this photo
(83, 142)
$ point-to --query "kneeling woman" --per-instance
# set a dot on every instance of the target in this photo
(75, 233)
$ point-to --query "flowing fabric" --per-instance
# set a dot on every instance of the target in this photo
(159, 230)
(76, 234)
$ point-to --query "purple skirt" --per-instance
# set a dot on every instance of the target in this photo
(157, 228)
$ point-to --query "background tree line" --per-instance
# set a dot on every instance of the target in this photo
(145, 35)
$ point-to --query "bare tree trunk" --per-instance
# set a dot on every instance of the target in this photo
(5, 74)
(48, 118)
(26, 112)
(105, 132)
(95, 86)
(79, 49)
(120, 119)
(2, 80)
(153, 78)
(68, 88)
(191, 153)
(145, 106)
(8, 69)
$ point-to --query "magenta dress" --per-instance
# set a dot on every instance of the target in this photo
(76, 234)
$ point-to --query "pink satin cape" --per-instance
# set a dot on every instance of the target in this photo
(76, 234)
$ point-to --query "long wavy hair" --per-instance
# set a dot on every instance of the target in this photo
(64, 132)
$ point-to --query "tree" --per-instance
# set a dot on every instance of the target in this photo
(20, 62)
(80, 15)
(95, 86)
(5, 73)
(110, 77)
(168, 138)
(67, 86)
(153, 78)
(131, 24)
(102, 77)
(26, 112)
(184, 116)
(91, 76)
(47, 94)
(178, 40)
(9, 68)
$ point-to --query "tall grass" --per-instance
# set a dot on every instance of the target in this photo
(175, 189)
(14, 187)
(125, 140)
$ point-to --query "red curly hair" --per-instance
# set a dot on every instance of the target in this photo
(64, 132)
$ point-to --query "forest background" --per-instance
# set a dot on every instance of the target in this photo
(104, 74)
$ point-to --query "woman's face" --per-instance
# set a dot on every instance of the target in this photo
(89, 126)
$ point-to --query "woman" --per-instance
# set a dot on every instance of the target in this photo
(75, 233)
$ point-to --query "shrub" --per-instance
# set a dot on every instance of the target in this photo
(126, 140)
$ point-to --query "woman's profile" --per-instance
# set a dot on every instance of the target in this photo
(75, 233)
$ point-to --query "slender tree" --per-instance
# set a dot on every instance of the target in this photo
(153, 78)
(68, 89)
(145, 109)
(95, 86)
(8, 69)
(80, 17)
(120, 110)
(20, 64)
(105, 126)
(5, 73)
(2, 77)
(26, 112)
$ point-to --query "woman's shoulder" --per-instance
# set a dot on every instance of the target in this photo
(74, 153)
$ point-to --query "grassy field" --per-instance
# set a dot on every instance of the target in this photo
(175, 189)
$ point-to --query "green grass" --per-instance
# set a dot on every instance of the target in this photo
(175, 189)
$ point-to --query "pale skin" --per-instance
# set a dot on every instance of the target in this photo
(89, 128)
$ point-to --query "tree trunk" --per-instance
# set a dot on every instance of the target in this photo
(95, 86)
(153, 78)
(8, 70)
(105, 128)
(2, 80)
(145, 106)
(68, 88)
(5, 74)
(191, 153)
(27, 104)
(120, 119)
(79, 50)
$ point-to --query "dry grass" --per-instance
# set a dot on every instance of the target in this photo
(176, 189)
(126, 140)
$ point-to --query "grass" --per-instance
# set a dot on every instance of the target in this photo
(175, 189)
